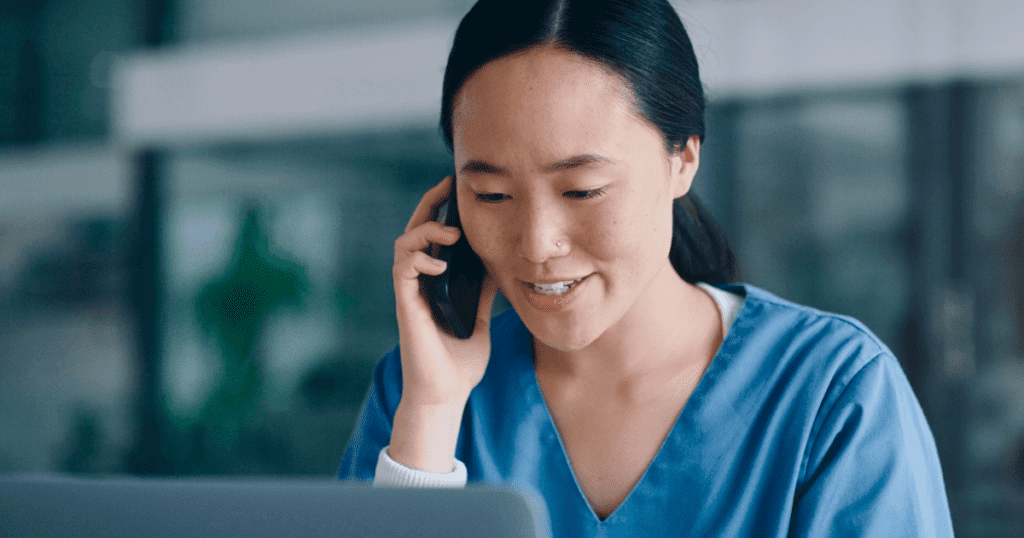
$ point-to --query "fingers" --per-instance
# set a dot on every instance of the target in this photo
(411, 260)
(416, 263)
(430, 205)
(421, 237)
(407, 284)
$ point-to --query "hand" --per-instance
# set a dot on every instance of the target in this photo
(438, 369)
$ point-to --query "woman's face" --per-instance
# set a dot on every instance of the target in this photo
(559, 180)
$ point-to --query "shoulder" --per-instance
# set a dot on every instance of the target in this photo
(837, 399)
(828, 386)
(793, 320)
(835, 367)
(799, 364)
(797, 337)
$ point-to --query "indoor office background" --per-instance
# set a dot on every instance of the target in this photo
(198, 201)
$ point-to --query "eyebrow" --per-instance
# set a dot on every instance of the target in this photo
(576, 161)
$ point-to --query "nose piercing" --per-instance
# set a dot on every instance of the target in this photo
(558, 244)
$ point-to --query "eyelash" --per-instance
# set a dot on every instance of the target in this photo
(488, 198)
(586, 195)
(575, 195)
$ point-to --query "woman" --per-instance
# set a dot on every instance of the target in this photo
(633, 395)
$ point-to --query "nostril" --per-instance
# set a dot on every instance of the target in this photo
(537, 247)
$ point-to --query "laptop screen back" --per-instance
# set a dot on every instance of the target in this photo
(38, 506)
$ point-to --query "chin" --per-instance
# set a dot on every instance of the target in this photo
(563, 348)
(562, 337)
(564, 331)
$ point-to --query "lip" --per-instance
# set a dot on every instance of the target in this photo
(549, 281)
(554, 303)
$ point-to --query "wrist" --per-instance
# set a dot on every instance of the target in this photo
(431, 398)
(424, 436)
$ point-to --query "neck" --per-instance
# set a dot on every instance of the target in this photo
(672, 329)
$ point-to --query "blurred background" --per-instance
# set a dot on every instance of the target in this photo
(198, 201)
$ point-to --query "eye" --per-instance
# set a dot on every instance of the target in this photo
(584, 195)
(490, 198)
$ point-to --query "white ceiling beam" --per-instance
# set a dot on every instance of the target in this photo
(391, 75)
(303, 86)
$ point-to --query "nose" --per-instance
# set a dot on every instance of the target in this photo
(541, 231)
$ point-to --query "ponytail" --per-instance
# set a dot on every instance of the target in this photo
(700, 252)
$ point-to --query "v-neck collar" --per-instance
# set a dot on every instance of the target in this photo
(677, 434)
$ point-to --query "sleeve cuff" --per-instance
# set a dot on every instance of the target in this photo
(390, 473)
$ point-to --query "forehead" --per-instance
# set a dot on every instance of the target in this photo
(541, 74)
(545, 102)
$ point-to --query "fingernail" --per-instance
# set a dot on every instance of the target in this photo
(451, 229)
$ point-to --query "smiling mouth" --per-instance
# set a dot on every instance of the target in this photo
(558, 288)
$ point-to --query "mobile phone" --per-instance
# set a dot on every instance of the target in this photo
(454, 295)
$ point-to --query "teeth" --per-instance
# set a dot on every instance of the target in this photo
(557, 288)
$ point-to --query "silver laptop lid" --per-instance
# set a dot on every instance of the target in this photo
(42, 506)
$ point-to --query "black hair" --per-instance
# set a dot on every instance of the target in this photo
(645, 42)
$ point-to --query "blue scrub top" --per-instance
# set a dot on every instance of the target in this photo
(803, 425)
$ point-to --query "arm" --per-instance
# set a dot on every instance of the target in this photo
(411, 417)
(367, 455)
(872, 468)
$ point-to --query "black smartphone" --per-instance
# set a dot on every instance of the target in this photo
(454, 295)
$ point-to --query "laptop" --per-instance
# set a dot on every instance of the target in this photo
(54, 505)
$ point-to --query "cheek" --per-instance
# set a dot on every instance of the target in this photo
(632, 234)
(484, 233)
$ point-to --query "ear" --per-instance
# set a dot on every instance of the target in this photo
(684, 161)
